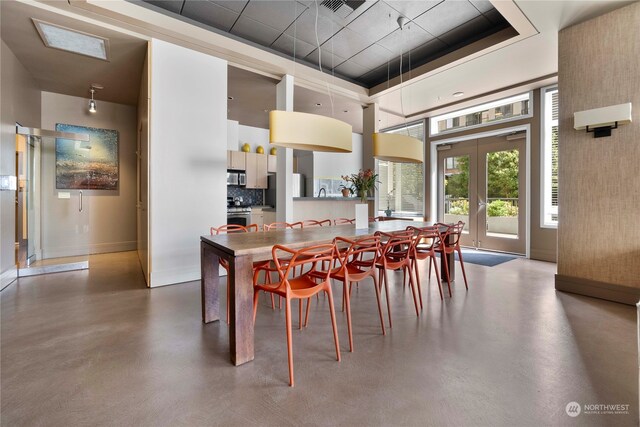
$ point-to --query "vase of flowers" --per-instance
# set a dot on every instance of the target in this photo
(362, 183)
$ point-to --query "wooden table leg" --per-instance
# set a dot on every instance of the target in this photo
(241, 306)
(209, 283)
(451, 261)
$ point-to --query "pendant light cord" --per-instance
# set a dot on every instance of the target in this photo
(320, 58)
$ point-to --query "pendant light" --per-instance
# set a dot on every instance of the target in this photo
(309, 132)
(92, 103)
(394, 147)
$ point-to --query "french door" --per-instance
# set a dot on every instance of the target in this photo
(483, 183)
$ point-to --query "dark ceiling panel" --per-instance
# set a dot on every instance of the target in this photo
(174, 6)
(482, 5)
(412, 9)
(346, 43)
(304, 27)
(276, 14)
(494, 16)
(411, 37)
(372, 57)
(235, 5)
(255, 31)
(210, 14)
(446, 16)
(468, 31)
(351, 69)
(375, 20)
(329, 60)
(284, 44)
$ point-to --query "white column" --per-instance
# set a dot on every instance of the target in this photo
(370, 125)
(284, 177)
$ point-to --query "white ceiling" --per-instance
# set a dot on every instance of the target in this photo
(69, 73)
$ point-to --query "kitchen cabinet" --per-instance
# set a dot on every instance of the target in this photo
(271, 164)
(256, 170)
(269, 217)
(236, 160)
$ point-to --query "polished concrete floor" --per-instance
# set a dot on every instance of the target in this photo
(97, 347)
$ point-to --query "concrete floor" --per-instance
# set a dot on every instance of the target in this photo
(97, 347)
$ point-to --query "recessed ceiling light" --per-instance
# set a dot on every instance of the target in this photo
(230, 98)
(458, 94)
(318, 105)
(345, 111)
(62, 38)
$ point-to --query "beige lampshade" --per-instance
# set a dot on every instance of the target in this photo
(397, 148)
(310, 132)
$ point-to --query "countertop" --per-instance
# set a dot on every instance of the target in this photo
(329, 199)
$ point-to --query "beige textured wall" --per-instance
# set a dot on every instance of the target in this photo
(599, 193)
(20, 102)
(112, 214)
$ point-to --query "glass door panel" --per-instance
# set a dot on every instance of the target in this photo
(58, 220)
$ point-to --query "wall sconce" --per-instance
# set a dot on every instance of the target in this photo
(600, 121)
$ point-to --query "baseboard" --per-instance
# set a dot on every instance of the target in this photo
(602, 290)
(95, 248)
(7, 277)
(174, 276)
(543, 255)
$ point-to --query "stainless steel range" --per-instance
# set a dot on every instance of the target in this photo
(237, 212)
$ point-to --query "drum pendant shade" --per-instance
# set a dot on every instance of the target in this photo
(397, 148)
(310, 132)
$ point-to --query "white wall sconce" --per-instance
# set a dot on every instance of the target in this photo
(601, 121)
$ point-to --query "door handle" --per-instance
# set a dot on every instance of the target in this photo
(80, 200)
(481, 204)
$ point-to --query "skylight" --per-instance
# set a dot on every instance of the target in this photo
(74, 41)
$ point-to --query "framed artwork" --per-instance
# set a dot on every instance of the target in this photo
(89, 165)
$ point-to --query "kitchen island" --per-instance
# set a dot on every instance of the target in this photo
(320, 208)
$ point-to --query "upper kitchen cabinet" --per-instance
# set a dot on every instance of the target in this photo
(236, 160)
(271, 164)
(256, 170)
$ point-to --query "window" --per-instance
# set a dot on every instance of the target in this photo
(549, 155)
(401, 187)
(515, 107)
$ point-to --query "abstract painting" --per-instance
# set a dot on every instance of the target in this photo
(82, 165)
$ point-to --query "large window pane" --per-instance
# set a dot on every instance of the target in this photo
(456, 190)
(502, 193)
(549, 215)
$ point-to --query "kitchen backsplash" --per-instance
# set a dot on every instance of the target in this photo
(249, 196)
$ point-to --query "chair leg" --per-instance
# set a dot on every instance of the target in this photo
(415, 267)
(386, 290)
(433, 259)
(333, 322)
(289, 339)
(375, 285)
(256, 296)
(446, 271)
(406, 269)
(463, 272)
(300, 313)
(306, 315)
(348, 304)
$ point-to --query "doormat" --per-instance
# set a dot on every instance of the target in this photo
(488, 259)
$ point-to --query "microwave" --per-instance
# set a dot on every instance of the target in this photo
(236, 178)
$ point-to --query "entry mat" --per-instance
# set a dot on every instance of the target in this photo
(488, 259)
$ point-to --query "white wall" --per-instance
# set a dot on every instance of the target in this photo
(334, 165)
(232, 135)
(20, 102)
(111, 213)
(187, 158)
(254, 137)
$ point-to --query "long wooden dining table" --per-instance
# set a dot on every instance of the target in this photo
(241, 250)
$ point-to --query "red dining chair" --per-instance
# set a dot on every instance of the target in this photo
(299, 287)
(425, 241)
(341, 221)
(313, 223)
(281, 225)
(357, 263)
(450, 244)
(395, 254)
(236, 228)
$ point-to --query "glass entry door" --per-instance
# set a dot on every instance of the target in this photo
(54, 233)
(482, 182)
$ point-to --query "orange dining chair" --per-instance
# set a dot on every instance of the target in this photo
(394, 255)
(314, 223)
(425, 241)
(357, 263)
(450, 244)
(299, 287)
(281, 225)
(342, 221)
(236, 228)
